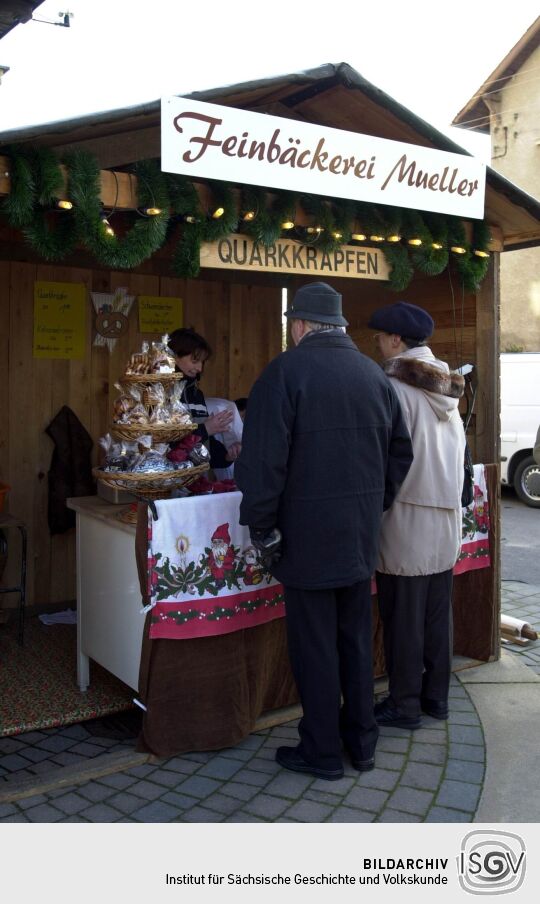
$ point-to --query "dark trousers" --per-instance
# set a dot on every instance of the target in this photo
(330, 649)
(416, 613)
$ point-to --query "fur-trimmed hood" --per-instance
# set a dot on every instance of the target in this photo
(425, 375)
(419, 369)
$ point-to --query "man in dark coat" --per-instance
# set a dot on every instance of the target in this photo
(325, 450)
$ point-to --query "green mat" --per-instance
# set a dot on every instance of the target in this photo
(38, 681)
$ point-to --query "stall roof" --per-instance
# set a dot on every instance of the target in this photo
(15, 12)
(333, 95)
(475, 114)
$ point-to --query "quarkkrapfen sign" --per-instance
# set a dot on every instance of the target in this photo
(214, 142)
(238, 252)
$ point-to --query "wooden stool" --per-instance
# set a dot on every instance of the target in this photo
(7, 522)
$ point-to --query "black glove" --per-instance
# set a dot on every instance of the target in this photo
(268, 545)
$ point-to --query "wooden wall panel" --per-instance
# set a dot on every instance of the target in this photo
(23, 417)
(254, 334)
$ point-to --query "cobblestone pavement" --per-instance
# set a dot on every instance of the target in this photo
(434, 774)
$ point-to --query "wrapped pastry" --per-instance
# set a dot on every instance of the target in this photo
(138, 415)
(153, 460)
(117, 456)
(154, 394)
(130, 389)
(178, 411)
(160, 415)
(199, 454)
(161, 358)
(182, 465)
(139, 362)
(121, 408)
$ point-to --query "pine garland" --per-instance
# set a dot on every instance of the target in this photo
(266, 226)
(401, 268)
(37, 182)
(52, 235)
(186, 257)
(18, 206)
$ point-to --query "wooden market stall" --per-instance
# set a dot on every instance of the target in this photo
(237, 310)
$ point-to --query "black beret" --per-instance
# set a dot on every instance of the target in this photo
(404, 319)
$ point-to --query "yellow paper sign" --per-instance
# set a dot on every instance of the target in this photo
(159, 315)
(59, 320)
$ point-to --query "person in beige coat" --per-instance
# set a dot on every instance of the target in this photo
(420, 535)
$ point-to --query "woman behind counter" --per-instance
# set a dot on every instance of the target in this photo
(191, 351)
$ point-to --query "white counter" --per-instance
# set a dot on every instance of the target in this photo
(109, 619)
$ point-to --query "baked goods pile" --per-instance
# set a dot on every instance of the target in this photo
(149, 420)
(151, 391)
(156, 358)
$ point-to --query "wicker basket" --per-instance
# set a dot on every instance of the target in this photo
(145, 484)
(160, 433)
(151, 378)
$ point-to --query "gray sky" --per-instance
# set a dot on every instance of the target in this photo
(430, 57)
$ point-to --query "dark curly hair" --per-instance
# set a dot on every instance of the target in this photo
(186, 341)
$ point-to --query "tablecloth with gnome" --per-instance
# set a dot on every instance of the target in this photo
(204, 576)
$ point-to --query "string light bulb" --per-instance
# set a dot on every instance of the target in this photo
(376, 238)
(190, 219)
(218, 212)
(480, 253)
(395, 237)
(287, 224)
(437, 246)
(64, 204)
(458, 249)
(358, 237)
(337, 236)
(107, 228)
(414, 241)
(249, 215)
(314, 229)
(151, 211)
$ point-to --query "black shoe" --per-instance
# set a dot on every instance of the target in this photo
(291, 758)
(437, 709)
(363, 765)
(387, 714)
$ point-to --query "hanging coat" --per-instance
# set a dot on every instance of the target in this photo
(70, 473)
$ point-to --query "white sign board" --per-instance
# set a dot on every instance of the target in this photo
(214, 142)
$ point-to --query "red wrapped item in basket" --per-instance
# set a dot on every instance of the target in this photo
(202, 486)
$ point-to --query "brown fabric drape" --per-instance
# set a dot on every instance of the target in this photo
(207, 693)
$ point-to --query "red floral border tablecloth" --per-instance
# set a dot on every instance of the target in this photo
(475, 537)
(204, 576)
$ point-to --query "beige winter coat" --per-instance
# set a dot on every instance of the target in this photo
(421, 532)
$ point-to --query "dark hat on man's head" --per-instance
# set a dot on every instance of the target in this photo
(404, 319)
(319, 302)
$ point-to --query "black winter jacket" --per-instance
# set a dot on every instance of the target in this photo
(325, 449)
(194, 399)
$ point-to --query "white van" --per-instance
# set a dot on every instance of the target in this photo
(520, 419)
